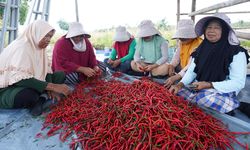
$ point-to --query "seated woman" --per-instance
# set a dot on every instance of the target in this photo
(74, 55)
(187, 43)
(151, 50)
(218, 69)
(122, 52)
(24, 70)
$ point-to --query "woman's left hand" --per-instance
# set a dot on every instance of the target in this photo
(97, 70)
(202, 85)
(150, 67)
(116, 63)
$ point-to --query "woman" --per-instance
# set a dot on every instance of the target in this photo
(151, 50)
(74, 55)
(122, 52)
(218, 68)
(24, 70)
(187, 43)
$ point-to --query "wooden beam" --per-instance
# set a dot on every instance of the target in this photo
(243, 35)
(218, 6)
(225, 12)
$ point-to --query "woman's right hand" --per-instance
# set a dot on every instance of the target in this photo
(171, 71)
(59, 88)
(110, 61)
(89, 72)
(175, 88)
(171, 80)
(140, 67)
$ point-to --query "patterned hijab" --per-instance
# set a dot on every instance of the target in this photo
(23, 59)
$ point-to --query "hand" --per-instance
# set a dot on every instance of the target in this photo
(171, 80)
(175, 88)
(150, 67)
(202, 85)
(116, 63)
(89, 72)
(110, 61)
(171, 71)
(58, 88)
(140, 68)
(97, 70)
(54, 95)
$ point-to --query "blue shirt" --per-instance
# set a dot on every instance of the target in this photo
(234, 82)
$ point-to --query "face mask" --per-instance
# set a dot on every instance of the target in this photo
(80, 47)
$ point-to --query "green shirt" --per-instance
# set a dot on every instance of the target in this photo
(151, 50)
(129, 56)
(7, 95)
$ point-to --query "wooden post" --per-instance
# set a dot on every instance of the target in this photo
(193, 9)
(178, 10)
(76, 6)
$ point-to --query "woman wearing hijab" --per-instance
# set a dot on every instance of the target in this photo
(187, 43)
(73, 54)
(151, 50)
(24, 70)
(218, 69)
(122, 52)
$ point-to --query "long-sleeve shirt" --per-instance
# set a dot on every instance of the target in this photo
(66, 59)
(235, 80)
(164, 53)
(129, 56)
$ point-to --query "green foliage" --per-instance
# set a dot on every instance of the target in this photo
(241, 24)
(2, 9)
(163, 25)
(63, 25)
(23, 10)
(245, 43)
(102, 39)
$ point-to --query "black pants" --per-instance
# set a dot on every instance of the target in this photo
(245, 108)
(26, 98)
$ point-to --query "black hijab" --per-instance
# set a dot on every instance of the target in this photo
(212, 60)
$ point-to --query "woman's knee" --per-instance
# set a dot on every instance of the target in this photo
(59, 77)
(26, 98)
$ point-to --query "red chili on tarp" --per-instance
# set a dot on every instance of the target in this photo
(141, 115)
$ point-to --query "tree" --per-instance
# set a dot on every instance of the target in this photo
(63, 25)
(23, 10)
(162, 25)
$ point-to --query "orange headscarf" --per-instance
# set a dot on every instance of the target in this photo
(187, 49)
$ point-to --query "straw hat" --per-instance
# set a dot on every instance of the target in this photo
(75, 29)
(146, 28)
(121, 34)
(200, 27)
(185, 29)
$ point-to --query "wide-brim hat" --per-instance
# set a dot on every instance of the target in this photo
(146, 28)
(121, 34)
(200, 27)
(75, 29)
(185, 30)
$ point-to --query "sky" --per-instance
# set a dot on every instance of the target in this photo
(100, 14)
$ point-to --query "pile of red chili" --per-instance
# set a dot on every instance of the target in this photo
(141, 115)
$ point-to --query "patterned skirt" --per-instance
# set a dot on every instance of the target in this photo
(211, 98)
